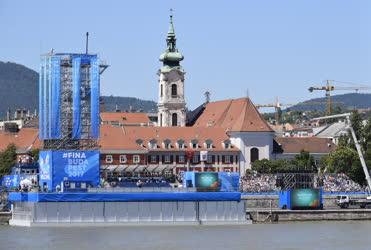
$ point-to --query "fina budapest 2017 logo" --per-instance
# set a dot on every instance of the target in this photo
(77, 164)
(44, 168)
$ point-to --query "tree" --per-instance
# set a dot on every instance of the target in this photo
(34, 153)
(7, 159)
(304, 161)
(341, 160)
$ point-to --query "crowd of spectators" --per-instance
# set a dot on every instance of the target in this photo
(339, 183)
(255, 183)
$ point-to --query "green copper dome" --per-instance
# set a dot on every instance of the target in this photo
(171, 57)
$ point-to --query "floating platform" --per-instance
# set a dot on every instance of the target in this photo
(174, 208)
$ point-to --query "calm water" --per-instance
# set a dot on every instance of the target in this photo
(321, 235)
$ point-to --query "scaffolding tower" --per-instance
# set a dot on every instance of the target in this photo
(69, 101)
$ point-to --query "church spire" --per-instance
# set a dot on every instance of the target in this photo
(171, 57)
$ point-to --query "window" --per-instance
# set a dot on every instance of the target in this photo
(162, 90)
(181, 159)
(123, 159)
(196, 158)
(167, 144)
(209, 144)
(153, 158)
(227, 159)
(160, 120)
(152, 144)
(254, 154)
(136, 158)
(174, 119)
(181, 144)
(194, 143)
(209, 159)
(174, 91)
(167, 159)
(109, 159)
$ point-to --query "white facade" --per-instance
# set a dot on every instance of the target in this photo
(248, 141)
(171, 104)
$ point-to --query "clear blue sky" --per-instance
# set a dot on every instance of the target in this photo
(272, 48)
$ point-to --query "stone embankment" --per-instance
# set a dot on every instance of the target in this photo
(264, 209)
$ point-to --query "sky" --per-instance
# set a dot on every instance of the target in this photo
(263, 49)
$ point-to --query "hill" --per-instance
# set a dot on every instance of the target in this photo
(347, 101)
(19, 89)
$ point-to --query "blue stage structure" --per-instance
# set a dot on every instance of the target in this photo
(69, 90)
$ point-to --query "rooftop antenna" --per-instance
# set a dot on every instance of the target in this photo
(207, 96)
(247, 93)
(87, 43)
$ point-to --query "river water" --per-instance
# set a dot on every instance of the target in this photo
(308, 235)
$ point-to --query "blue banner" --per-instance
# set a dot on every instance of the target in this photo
(41, 100)
(94, 97)
(56, 96)
(45, 169)
(76, 130)
(57, 166)
(10, 181)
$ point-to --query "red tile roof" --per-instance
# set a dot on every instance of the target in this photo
(239, 115)
(114, 138)
(25, 139)
(125, 138)
(124, 117)
(309, 144)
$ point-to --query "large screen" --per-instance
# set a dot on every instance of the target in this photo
(305, 198)
(207, 181)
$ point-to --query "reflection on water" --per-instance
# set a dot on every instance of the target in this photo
(310, 235)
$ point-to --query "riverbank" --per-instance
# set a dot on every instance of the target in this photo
(279, 215)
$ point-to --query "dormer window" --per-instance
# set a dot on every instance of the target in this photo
(167, 144)
(194, 144)
(139, 142)
(152, 144)
(181, 144)
(227, 144)
(209, 144)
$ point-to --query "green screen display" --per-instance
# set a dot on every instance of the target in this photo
(207, 181)
(305, 198)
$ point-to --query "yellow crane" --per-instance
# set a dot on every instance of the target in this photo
(329, 87)
(277, 106)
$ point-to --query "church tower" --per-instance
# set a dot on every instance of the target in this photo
(171, 102)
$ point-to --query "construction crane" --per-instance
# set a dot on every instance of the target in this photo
(358, 147)
(277, 106)
(330, 87)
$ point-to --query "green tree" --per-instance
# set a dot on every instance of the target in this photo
(7, 159)
(341, 160)
(304, 161)
(262, 166)
(35, 154)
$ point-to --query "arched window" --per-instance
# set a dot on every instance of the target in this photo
(254, 154)
(174, 90)
(160, 120)
(174, 120)
(162, 90)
